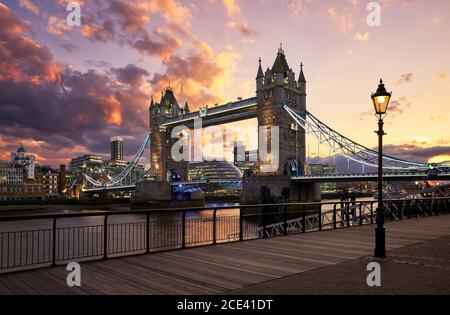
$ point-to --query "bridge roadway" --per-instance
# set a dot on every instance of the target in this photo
(442, 176)
(259, 266)
(417, 176)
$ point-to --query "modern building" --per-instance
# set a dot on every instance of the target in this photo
(50, 179)
(90, 163)
(223, 179)
(117, 149)
(215, 170)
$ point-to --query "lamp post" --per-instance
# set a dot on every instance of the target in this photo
(380, 100)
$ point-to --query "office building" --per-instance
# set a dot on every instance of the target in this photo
(117, 149)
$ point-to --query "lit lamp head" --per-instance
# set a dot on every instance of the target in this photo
(381, 99)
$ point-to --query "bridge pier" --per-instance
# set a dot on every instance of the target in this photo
(101, 197)
(268, 189)
(151, 194)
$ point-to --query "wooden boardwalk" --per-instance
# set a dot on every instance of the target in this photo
(223, 268)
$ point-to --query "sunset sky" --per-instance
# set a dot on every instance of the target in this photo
(64, 91)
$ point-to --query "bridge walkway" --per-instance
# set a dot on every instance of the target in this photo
(232, 267)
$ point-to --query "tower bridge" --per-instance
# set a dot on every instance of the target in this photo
(221, 114)
(280, 101)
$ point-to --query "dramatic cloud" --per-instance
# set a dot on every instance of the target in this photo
(162, 44)
(131, 75)
(21, 58)
(52, 108)
(416, 153)
(133, 16)
(103, 32)
(66, 94)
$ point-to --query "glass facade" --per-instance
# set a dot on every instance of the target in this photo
(216, 170)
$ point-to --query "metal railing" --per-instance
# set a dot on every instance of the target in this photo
(33, 241)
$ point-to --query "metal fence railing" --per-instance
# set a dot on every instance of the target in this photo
(33, 241)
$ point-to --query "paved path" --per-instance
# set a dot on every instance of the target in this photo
(321, 262)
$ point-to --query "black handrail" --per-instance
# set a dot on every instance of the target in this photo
(60, 243)
(188, 209)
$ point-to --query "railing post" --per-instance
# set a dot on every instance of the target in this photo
(183, 230)
(347, 213)
(334, 216)
(360, 214)
(285, 220)
(320, 217)
(147, 251)
(54, 244)
(105, 237)
(241, 225)
(371, 212)
(214, 226)
(264, 222)
(303, 221)
(408, 209)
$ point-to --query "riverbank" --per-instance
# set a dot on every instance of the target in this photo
(29, 209)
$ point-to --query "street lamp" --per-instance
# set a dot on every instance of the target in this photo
(380, 100)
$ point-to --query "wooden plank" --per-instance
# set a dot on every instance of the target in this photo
(225, 267)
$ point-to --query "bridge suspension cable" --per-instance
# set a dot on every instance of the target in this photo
(347, 147)
(119, 179)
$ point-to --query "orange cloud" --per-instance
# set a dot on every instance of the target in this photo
(232, 8)
(30, 6)
(237, 21)
(21, 58)
(439, 158)
(362, 37)
(111, 107)
(442, 77)
(173, 12)
(203, 77)
(162, 44)
(96, 32)
(57, 26)
(344, 18)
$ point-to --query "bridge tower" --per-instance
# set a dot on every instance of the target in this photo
(278, 86)
(274, 88)
(162, 166)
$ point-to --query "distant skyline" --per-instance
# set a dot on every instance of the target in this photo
(64, 91)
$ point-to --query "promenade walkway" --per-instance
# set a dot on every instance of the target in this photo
(332, 261)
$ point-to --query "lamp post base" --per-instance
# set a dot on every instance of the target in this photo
(380, 242)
